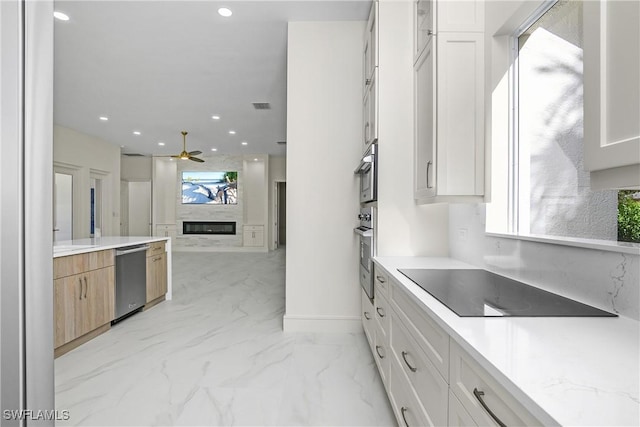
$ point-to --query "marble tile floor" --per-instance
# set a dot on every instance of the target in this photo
(216, 355)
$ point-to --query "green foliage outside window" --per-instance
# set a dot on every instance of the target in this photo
(628, 216)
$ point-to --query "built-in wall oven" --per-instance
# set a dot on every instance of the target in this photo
(365, 231)
(367, 169)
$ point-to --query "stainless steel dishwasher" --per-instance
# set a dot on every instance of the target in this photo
(131, 279)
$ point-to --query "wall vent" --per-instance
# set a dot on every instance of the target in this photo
(261, 105)
(133, 154)
(281, 142)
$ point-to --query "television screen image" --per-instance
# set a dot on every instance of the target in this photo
(210, 188)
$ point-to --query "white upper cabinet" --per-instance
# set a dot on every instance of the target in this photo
(449, 151)
(612, 93)
(370, 82)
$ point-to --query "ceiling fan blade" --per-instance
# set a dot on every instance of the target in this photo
(195, 159)
(175, 157)
(195, 153)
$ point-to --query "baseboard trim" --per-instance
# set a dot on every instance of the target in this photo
(218, 249)
(322, 324)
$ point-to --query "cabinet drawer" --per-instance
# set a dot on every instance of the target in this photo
(76, 264)
(381, 353)
(429, 336)
(381, 281)
(382, 313)
(473, 386)
(458, 416)
(253, 228)
(368, 322)
(405, 405)
(425, 379)
(155, 248)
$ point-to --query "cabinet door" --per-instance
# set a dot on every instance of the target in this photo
(97, 303)
(460, 114)
(156, 276)
(611, 88)
(370, 130)
(370, 47)
(424, 24)
(67, 294)
(424, 143)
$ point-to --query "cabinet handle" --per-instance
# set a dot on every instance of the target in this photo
(380, 311)
(366, 315)
(367, 82)
(381, 279)
(404, 356)
(157, 259)
(402, 411)
(430, 33)
(378, 347)
(86, 287)
(80, 280)
(428, 167)
(478, 394)
(366, 132)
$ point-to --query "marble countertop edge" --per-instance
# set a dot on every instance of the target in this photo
(81, 246)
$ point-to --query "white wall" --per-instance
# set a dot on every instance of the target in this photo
(165, 191)
(324, 115)
(135, 168)
(403, 228)
(85, 154)
(277, 172)
(255, 190)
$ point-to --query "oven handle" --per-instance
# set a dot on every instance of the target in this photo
(364, 233)
(364, 166)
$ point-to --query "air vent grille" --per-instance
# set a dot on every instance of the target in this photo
(281, 142)
(133, 154)
(261, 105)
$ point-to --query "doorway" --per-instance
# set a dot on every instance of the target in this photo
(62, 207)
(280, 223)
(138, 218)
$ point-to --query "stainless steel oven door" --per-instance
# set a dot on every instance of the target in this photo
(366, 261)
(368, 175)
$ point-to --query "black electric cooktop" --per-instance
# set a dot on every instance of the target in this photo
(480, 293)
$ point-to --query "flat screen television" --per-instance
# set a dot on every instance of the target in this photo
(209, 188)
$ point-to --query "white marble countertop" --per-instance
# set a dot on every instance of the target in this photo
(573, 371)
(79, 246)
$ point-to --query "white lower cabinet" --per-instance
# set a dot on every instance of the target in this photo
(487, 402)
(430, 379)
(253, 235)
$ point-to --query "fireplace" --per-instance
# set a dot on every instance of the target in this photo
(208, 227)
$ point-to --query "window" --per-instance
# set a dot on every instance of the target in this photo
(551, 194)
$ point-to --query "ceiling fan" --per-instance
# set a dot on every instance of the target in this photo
(187, 155)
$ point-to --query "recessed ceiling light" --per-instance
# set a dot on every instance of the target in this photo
(244, 143)
(136, 132)
(223, 11)
(104, 118)
(232, 132)
(214, 149)
(60, 16)
(255, 160)
(122, 146)
(160, 143)
(215, 117)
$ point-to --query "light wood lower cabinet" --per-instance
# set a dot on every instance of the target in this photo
(83, 302)
(156, 276)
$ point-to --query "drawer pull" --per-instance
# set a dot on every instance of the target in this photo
(378, 347)
(86, 287)
(366, 315)
(402, 411)
(381, 279)
(478, 394)
(404, 356)
(80, 280)
(380, 311)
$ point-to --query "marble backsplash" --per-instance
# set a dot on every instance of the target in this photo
(605, 279)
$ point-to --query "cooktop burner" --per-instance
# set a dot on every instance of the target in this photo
(480, 293)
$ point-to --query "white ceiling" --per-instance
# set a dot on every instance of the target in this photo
(160, 67)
